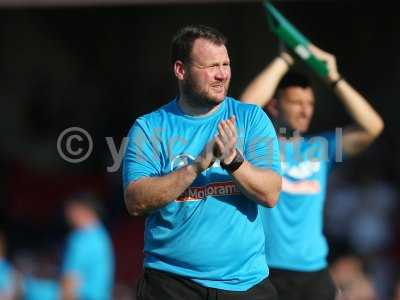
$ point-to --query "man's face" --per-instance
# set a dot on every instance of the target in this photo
(75, 214)
(208, 73)
(296, 107)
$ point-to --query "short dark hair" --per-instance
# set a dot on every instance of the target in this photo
(87, 200)
(182, 42)
(292, 79)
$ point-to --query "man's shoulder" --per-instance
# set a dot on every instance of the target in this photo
(75, 238)
(241, 105)
(244, 109)
(5, 266)
(155, 117)
(92, 236)
(158, 113)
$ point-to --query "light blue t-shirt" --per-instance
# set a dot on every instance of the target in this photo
(212, 233)
(7, 279)
(43, 289)
(294, 227)
(89, 257)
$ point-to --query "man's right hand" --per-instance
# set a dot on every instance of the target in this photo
(206, 157)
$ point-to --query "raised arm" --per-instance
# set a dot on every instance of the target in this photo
(263, 87)
(368, 123)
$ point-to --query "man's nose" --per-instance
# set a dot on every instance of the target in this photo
(305, 110)
(221, 72)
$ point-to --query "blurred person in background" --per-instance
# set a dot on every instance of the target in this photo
(8, 276)
(88, 267)
(356, 222)
(297, 248)
(88, 263)
(351, 280)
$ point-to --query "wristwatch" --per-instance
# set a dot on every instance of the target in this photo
(234, 164)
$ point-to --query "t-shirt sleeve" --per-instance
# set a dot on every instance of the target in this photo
(141, 158)
(6, 280)
(261, 147)
(38, 288)
(74, 256)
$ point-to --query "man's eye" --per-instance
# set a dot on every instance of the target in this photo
(215, 67)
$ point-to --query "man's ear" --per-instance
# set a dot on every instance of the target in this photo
(179, 70)
(272, 108)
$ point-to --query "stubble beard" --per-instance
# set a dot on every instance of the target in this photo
(198, 97)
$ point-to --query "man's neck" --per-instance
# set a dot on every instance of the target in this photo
(88, 223)
(195, 108)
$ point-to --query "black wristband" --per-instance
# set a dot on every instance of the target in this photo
(334, 83)
(234, 164)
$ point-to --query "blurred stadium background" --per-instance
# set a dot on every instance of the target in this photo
(100, 64)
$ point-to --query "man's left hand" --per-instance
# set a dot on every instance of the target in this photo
(333, 73)
(226, 139)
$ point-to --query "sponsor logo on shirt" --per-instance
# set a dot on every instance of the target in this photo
(217, 189)
(302, 170)
(305, 187)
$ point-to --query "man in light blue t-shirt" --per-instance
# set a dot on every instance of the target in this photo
(199, 167)
(296, 249)
(88, 263)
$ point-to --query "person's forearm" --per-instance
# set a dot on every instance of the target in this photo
(359, 108)
(68, 288)
(262, 186)
(6, 296)
(261, 90)
(147, 194)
